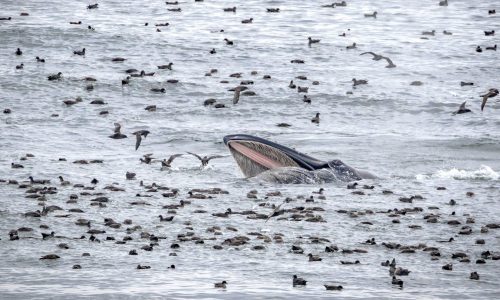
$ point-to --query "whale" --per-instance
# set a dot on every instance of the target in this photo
(269, 161)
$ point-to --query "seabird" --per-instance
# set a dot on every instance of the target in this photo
(315, 119)
(138, 135)
(220, 284)
(205, 159)
(356, 82)
(169, 66)
(462, 109)
(247, 21)
(372, 15)
(313, 41)
(117, 134)
(19, 52)
(353, 46)
(79, 52)
(230, 9)
(490, 94)
(54, 76)
(298, 281)
(165, 164)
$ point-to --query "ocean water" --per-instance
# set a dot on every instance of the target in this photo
(405, 134)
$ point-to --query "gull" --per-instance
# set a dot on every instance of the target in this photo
(204, 160)
(117, 133)
(490, 94)
(138, 135)
(166, 164)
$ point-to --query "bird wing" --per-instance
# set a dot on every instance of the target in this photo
(387, 59)
(462, 106)
(148, 155)
(485, 98)
(274, 211)
(117, 127)
(369, 52)
(137, 141)
(172, 157)
(196, 155)
(236, 97)
(214, 156)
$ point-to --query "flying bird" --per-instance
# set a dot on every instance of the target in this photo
(490, 94)
(462, 109)
(378, 57)
(205, 159)
(138, 136)
(166, 164)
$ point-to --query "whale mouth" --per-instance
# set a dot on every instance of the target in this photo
(255, 155)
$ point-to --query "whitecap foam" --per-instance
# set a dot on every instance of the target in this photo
(483, 173)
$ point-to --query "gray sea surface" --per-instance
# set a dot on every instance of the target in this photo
(405, 134)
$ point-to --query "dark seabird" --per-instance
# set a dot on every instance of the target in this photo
(93, 6)
(356, 82)
(117, 134)
(138, 135)
(333, 287)
(372, 15)
(230, 9)
(313, 41)
(220, 284)
(247, 21)
(462, 109)
(315, 119)
(205, 159)
(165, 164)
(54, 76)
(169, 66)
(490, 94)
(19, 52)
(40, 60)
(76, 52)
(19, 67)
(353, 46)
(298, 281)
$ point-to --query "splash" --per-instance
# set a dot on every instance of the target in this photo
(483, 173)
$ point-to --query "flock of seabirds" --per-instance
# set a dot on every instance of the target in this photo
(41, 189)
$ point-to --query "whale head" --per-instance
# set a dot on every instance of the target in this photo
(255, 155)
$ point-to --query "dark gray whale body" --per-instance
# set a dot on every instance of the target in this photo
(269, 161)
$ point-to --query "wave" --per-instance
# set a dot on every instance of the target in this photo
(483, 173)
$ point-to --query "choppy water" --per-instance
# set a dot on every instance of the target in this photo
(405, 134)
